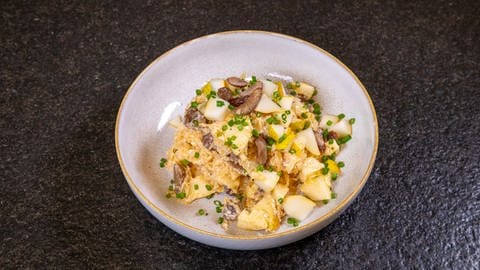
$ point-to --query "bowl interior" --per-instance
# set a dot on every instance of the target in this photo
(167, 85)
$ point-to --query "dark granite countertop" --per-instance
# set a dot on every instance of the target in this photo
(64, 68)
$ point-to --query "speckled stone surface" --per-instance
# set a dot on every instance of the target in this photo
(64, 68)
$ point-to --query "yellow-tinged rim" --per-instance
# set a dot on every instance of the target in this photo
(328, 215)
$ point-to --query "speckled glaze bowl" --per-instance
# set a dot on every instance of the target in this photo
(162, 90)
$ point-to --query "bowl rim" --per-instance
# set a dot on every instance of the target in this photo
(335, 211)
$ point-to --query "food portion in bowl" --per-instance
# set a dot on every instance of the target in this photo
(265, 144)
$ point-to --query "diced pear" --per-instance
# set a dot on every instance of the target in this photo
(310, 141)
(214, 112)
(310, 166)
(242, 136)
(305, 89)
(280, 191)
(317, 188)
(342, 128)
(286, 102)
(269, 87)
(275, 131)
(266, 105)
(325, 118)
(298, 143)
(298, 206)
(331, 148)
(217, 84)
(266, 180)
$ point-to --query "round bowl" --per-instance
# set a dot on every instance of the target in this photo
(161, 91)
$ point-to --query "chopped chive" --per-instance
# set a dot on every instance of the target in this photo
(306, 125)
(255, 133)
(163, 162)
(210, 196)
(344, 139)
(168, 195)
(208, 187)
(292, 151)
(224, 127)
(195, 122)
(341, 164)
(351, 121)
(316, 109)
(280, 200)
(329, 123)
(310, 101)
(198, 92)
(218, 209)
(324, 201)
(289, 86)
(258, 114)
(325, 134)
(270, 141)
(201, 212)
(284, 118)
(315, 92)
(194, 104)
(304, 115)
(292, 221)
(293, 93)
(254, 80)
(220, 103)
(288, 112)
(185, 162)
(325, 170)
(217, 203)
(334, 176)
(220, 220)
(330, 141)
(180, 195)
(231, 107)
(334, 195)
(231, 122)
(260, 168)
(282, 138)
(195, 186)
(317, 117)
(341, 116)
(197, 155)
(212, 94)
(272, 120)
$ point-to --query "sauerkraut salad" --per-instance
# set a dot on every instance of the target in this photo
(264, 143)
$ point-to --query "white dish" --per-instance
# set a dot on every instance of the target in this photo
(163, 89)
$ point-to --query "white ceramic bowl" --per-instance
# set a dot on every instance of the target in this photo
(163, 89)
